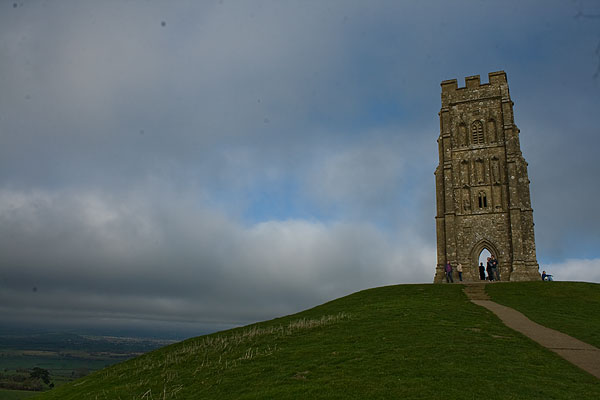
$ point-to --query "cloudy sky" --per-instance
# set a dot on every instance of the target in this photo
(188, 166)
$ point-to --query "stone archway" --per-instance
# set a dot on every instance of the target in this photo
(476, 251)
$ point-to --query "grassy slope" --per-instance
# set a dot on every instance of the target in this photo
(570, 307)
(408, 341)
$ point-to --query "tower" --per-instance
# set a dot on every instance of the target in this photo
(482, 187)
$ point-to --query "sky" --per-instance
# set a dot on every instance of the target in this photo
(183, 167)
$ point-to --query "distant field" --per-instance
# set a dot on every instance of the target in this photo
(405, 342)
(66, 356)
(53, 361)
(570, 307)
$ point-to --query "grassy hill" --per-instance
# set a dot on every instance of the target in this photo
(406, 341)
(569, 307)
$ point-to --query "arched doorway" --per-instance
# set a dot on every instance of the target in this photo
(483, 257)
(479, 254)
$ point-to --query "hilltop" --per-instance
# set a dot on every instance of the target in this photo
(404, 341)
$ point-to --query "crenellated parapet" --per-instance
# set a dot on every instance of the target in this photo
(497, 86)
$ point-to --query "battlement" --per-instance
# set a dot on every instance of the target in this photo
(472, 82)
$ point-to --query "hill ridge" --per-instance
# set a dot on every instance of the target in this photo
(408, 341)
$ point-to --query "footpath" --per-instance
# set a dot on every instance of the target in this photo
(583, 355)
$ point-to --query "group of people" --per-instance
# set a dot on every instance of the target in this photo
(493, 272)
(492, 269)
(448, 270)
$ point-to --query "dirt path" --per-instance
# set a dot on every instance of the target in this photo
(583, 355)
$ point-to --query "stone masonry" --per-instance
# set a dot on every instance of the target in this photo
(482, 187)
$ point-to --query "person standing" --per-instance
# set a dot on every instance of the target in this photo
(449, 273)
(495, 268)
(459, 270)
(481, 272)
(489, 270)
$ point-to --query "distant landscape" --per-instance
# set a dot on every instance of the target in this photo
(65, 356)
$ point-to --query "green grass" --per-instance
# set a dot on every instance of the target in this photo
(570, 307)
(16, 394)
(408, 341)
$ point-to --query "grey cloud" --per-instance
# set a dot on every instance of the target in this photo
(367, 178)
(357, 174)
(181, 263)
(559, 140)
(581, 269)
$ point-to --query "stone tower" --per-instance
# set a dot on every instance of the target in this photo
(482, 187)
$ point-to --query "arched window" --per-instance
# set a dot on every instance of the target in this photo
(482, 200)
(477, 132)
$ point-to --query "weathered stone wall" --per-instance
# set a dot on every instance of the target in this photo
(482, 187)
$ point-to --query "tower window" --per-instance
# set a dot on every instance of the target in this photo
(482, 200)
(477, 132)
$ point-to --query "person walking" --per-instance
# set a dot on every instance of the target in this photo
(481, 272)
(459, 270)
(449, 273)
